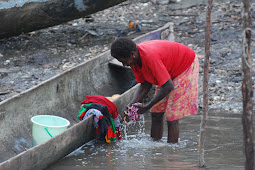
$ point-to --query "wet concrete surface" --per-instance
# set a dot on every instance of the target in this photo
(223, 147)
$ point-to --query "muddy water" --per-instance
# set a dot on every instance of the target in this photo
(223, 149)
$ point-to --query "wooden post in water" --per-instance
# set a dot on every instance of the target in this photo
(247, 89)
(205, 85)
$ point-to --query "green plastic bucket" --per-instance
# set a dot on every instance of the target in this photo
(47, 126)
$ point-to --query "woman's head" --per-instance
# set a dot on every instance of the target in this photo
(125, 50)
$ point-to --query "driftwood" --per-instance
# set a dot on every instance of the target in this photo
(247, 89)
(205, 85)
(34, 15)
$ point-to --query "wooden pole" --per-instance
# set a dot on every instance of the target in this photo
(247, 89)
(205, 85)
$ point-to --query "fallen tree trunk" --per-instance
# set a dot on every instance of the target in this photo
(30, 15)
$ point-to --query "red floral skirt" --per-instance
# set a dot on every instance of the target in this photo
(182, 100)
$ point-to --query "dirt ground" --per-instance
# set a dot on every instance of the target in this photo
(32, 58)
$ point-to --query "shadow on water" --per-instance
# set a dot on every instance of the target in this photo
(223, 147)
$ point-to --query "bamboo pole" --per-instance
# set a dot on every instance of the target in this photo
(205, 86)
(247, 89)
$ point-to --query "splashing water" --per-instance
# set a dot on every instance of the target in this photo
(136, 138)
(131, 124)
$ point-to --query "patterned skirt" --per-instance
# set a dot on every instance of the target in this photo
(182, 100)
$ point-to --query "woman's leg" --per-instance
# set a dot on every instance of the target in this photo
(157, 125)
(173, 131)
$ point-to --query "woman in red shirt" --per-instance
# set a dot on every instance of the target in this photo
(171, 66)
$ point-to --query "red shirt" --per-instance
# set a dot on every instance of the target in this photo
(162, 60)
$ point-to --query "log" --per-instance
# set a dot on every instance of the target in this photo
(17, 17)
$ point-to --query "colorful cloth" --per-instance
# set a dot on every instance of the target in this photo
(111, 136)
(182, 100)
(162, 60)
(97, 116)
(103, 101)
(132, 114)
(82, 112)
(103, 121)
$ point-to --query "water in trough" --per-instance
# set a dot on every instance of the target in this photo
(223, 147)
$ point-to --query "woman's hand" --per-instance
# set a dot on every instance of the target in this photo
(141, 108)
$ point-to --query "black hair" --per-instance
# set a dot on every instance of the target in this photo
(122, 48)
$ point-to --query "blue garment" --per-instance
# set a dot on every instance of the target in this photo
(96, 114)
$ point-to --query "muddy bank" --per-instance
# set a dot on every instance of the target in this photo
(31, 58)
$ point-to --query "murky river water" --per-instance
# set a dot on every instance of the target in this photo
(223, 147)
